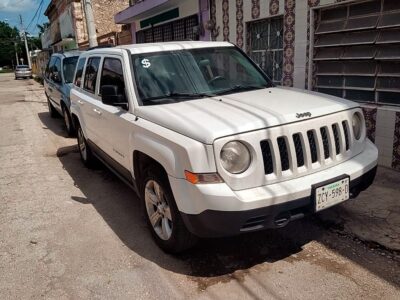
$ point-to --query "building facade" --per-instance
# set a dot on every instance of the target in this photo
(349, 49)
(68, 29)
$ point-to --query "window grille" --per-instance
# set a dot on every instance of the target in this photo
(357, 51)
(179, 30)
(266, 46)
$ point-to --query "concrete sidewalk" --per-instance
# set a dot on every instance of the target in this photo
(374, 216)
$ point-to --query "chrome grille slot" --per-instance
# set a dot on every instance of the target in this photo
(299, 149)
(336, 134)
(313, 145)
(267, 157)
(283, 151)
(346, 135)
(325, 141)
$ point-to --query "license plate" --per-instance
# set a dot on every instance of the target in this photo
(331, 194)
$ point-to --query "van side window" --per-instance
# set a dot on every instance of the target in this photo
(92, 67)
(112, 74)
(79, 71)
(56, 71)
(49, 67)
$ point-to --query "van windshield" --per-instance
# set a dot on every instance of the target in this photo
(173, 76)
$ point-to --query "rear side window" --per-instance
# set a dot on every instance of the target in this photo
(92, 67)
(112, 74)
(79, 71)
(69, 65)
(56, 70)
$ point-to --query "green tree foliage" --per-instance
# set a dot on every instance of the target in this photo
(8, 37)
(11, 41)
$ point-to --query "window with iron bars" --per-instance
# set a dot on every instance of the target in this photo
(265, 46)
(179, 30)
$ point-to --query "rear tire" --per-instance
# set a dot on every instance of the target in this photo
(162, 214)
(87, 157)
(69, 127)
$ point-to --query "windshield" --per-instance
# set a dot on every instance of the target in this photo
(172, 76)
(69, 64)
(22, 67)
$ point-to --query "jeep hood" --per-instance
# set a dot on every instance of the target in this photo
(210, 118)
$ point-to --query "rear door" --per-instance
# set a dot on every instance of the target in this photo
(48, 84)
(57, 83)
(90, 99)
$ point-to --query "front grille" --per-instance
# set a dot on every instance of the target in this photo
(299, 149)
(346, 135)
(336, 136)
(267, 157)
(306, 148)
(313, 146)
(325, 142)
(283, 153)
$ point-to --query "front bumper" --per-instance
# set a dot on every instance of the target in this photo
(214, 210)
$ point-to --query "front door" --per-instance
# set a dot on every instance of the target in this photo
(114, 122)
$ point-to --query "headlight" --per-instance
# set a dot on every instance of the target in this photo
(357, 125)
(235, 157)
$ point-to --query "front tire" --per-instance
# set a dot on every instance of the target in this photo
(85, 152)
(162, 214)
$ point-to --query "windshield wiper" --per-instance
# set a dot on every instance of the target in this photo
(180, 96)
(240, 88)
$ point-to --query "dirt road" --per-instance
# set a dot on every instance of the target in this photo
(67, 232)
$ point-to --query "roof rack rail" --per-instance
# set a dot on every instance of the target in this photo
(101, 46)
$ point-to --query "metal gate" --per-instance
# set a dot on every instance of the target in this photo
(179, 30)
(265, 46)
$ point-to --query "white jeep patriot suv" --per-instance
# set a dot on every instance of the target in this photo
(210, 145)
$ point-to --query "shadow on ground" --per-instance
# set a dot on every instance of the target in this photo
(56, 125)
(213, 260)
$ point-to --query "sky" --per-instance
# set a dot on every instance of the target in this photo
(10, 10)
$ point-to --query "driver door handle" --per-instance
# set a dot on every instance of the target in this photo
(80, 101)
(97, 111)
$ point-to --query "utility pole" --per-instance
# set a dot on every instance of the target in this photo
(26, 42)
(91, 28)
(16, 52)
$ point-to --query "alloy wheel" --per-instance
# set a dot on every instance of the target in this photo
(158, 210)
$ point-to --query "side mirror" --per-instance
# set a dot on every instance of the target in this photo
(110, 96)
(56, 77)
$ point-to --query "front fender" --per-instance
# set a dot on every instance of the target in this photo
(175, 152)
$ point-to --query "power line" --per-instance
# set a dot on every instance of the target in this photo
(37, 10)
(39, 17)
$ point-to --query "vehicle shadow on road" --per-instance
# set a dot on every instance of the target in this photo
(213, 260)
(54, 124)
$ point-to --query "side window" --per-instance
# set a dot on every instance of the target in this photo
(49, 67)
(112, 74)
(79, 71)
(92, 68)
(56, 70)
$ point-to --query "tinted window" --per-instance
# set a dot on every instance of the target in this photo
(92, 68)
(55, 71)
(69, 65)
(22, 67)
(79, 71)
(112, 74)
